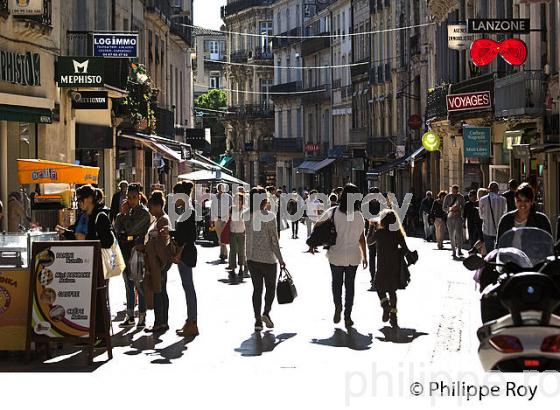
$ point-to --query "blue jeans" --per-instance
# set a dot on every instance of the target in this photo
(489, 242)
(161, 302)
(130, 297)
(343, 275)
(186, 273)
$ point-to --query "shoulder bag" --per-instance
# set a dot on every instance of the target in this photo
(324, 233)
(113, 261)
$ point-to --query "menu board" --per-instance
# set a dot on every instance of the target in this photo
(14, 301)
(62, 289)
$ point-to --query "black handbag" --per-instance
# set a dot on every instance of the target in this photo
(323, 234)
(286, 291)
(404, 278)
(411, 257)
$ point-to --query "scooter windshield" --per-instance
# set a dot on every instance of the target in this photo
(533, 242)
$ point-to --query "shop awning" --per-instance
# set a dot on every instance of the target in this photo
(324, 163)
(306, 167)
(37, 171)
(25, 114)
(167, 148)
(401, 162)
(538, 148)
(211, 176)
(166, 151)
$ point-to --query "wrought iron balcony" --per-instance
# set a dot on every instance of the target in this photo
(287, 88)
(346, 92)
(179, 29)
(239, 56)
(317, 93)
(161, 7)
(357, 70)
(252, 111)
(261, 54)
(279, 42)
(240, 5)
(315, 44)
(520, 94)
(436, 107)
(287, 144)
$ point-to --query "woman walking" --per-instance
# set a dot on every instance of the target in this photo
(348, 251)
(263, 254)
(185, 237)
(237, 238)
(389, 238)
(158, 263)
(439, 216)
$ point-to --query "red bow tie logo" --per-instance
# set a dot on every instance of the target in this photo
(484, 51)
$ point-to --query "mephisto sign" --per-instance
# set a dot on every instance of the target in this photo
(80, 72)
(22, 69)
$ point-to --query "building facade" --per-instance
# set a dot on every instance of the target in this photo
(210, 54)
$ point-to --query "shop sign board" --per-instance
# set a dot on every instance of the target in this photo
(111, 45)
(25, 7)
(477, 142)
(14, 297)
(80, 71)
(499, 26)
(22, 69)
(458, 38)
(469, 101)
(90, 100)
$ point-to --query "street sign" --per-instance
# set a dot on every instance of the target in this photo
(115, 45)
(90, 100)
(80, 72)
(469, 101)
(458, 38)
(476, 142)
(431, 141)
(25, 7)
(501, 26)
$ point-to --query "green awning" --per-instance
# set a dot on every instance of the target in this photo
(25, 114)
(226, 159)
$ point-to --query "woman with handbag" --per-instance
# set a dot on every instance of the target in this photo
(440, 218)
(348, 251)
(263, 254)
(158, 263)
(389, 238)
(237, 238)
(184, 238)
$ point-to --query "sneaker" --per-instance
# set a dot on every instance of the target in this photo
(267, 321)
(348, 322)
(141, 320)
(337, 312)
(128, 322)
(258, 326)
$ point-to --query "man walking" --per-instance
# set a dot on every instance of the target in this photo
(374, 209)
(510, 194)
(223, 204)
(117, 200)
(425, 209)
(491, 208)
(453, 204)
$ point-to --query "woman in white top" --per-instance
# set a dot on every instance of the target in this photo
(237, 239)
(348, 252)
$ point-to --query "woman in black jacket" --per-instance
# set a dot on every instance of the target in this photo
(185, 237)
(525, 215)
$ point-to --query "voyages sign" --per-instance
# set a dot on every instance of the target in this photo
(80, 72)
(509, 26)
(22, 69)
(115, 45)
(469, 101)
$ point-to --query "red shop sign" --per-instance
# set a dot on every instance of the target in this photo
(469, 101)
(414, 122)
(312, 148)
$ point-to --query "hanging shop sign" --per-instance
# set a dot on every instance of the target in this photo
(458, 38)
(477, 142)
(483, 51)
(115, 45)
(90, 100)
(498, 26)
(22, 69)
(312, 148)
(469, 101)
(414, 122)
(25, 7)
(431, 141)
(80, 72)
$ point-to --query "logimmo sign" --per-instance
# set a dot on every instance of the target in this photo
(115, 45)
(469, 101)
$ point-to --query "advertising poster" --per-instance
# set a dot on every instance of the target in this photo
(115, 45)
(477, 142)
(14, 302)
(62, 289)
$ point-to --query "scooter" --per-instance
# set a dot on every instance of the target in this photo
(521, 308)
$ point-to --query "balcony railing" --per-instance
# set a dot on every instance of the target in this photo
(239, 56)
(165, 122)
(313, 45)
(161, 7)
(287, 144)
(240, 5)
(278, 42)
(261, 54)
(361, 69)
(252, 110)
(291, 87)
(179, 28)
(436, 107)
(116, 72)
(317, 93)
(346, 92)
(44, 19)
(520, 94)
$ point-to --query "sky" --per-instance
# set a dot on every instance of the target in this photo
(207, 13)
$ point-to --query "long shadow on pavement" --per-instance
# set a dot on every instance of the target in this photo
(259, 343)
(171, 352)
(399, 335)
(351, 339)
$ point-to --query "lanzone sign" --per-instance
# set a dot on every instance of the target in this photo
(80, 71)
(469, 101)
(516, 26)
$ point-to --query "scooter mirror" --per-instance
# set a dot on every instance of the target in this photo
(473, 262)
